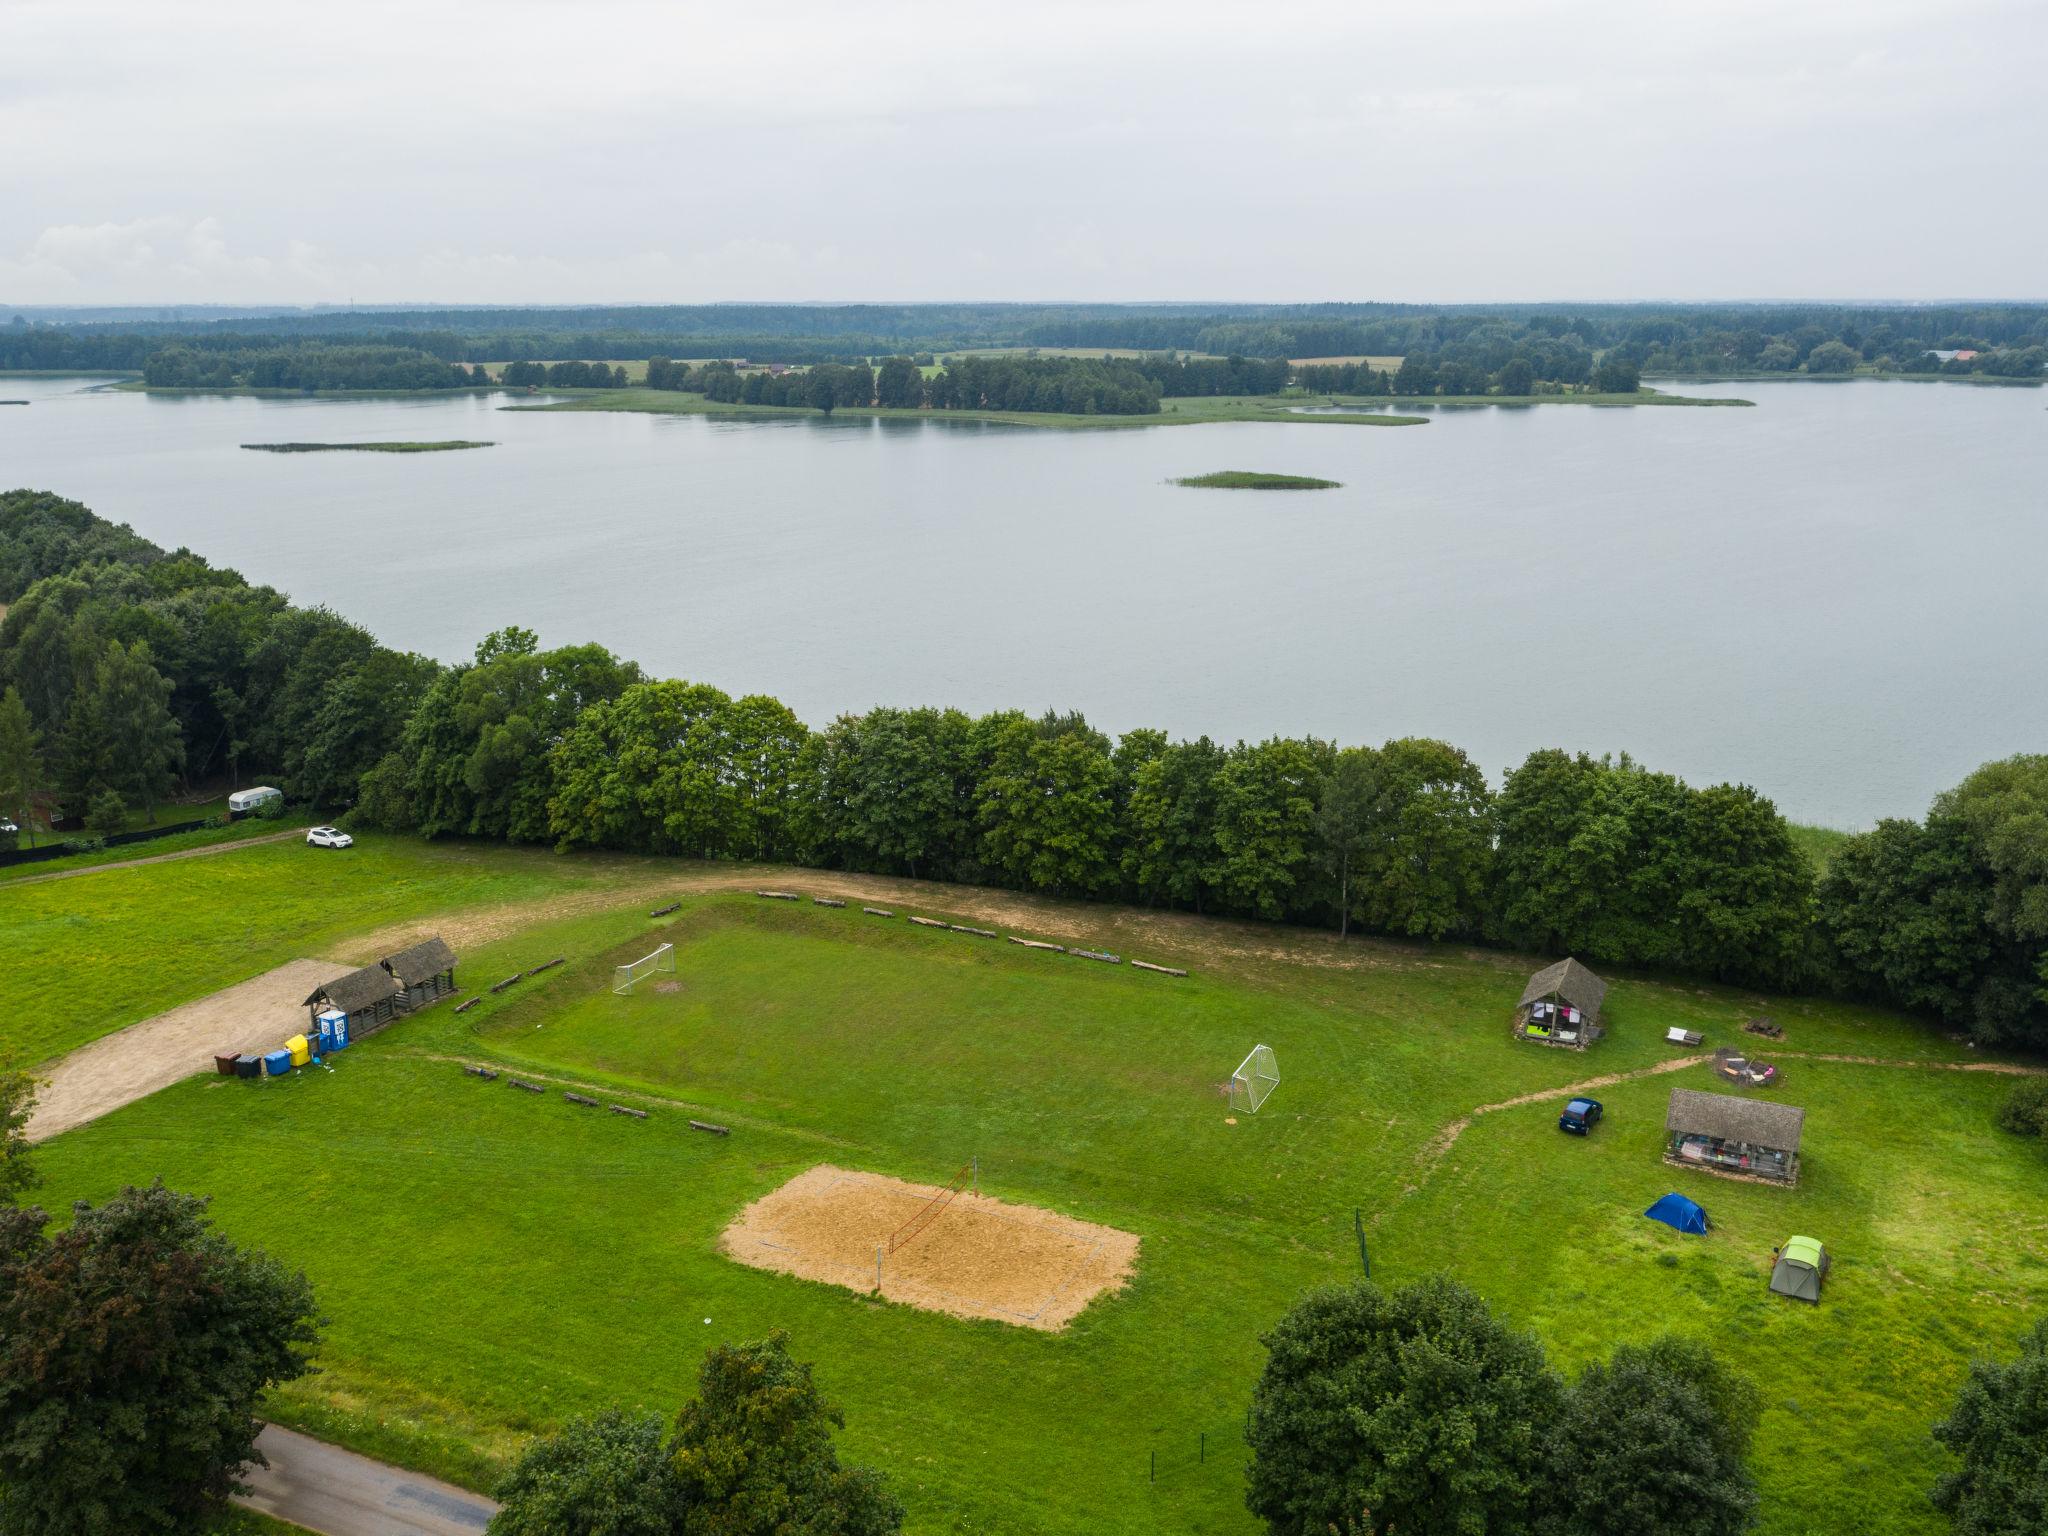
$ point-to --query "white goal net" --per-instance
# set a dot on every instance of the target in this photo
(662, 960)
(1254, 1080)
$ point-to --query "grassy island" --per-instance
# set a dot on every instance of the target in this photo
(1256, 480)
(449, 446)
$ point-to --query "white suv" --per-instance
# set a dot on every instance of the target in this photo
(330, 837)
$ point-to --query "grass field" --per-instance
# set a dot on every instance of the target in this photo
(492, 1261)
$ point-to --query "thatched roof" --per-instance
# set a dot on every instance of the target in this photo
(423, 962)
(1569, 980)
(1756, 1121)
(355, 991)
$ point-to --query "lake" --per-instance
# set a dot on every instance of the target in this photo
(1837, 596)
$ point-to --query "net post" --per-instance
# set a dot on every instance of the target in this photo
(878, 1269)
(977, 1176)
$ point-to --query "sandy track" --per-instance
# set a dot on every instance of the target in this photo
(96, 1079)
(156, 858)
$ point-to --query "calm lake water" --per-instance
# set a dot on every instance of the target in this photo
(1840, 596)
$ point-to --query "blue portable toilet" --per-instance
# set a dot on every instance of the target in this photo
(277, 1063)
(332, 1026)
(1674, 1210)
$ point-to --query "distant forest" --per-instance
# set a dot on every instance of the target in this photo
(2008, 340)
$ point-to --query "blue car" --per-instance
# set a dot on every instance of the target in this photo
(1580, 1116)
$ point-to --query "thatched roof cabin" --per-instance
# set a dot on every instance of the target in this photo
(1721, 1132)
(357, 992)
(421, 963)
(1568, 982)
(1561, 1006)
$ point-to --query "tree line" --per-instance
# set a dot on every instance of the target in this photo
(108, 637)
(564, 375)
(1076, 386)
(307, 365)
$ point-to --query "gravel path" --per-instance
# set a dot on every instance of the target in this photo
(155, 858)
(132, 1063)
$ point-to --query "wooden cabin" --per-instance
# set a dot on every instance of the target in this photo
(1561, 1006)
(370, 998)
(425, 973)
(1721, 1133)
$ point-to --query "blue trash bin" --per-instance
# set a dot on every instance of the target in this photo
(277, 1063)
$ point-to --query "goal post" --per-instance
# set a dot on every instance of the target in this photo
(662, 962)
(1254, 1080)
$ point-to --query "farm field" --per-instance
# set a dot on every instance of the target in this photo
(492, 1261)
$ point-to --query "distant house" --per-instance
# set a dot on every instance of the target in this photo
(424, 973)
(1724, 1134)
(375, 995)
(1561, 1006)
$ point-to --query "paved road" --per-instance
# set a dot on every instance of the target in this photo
(338, 1493)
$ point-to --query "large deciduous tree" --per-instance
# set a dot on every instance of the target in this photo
(1999, 1429)
(1266, 826)
(1414, 1411)
(1170, 852)
(752, 1453)
(1045, 802)
(134, 1346)
(21, 763)
(1653, 1442)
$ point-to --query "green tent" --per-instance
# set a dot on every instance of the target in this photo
(1802, 1266)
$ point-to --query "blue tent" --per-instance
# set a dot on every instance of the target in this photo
(1677, 1211)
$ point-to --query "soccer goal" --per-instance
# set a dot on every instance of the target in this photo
(1256, 1077)
(663, 960)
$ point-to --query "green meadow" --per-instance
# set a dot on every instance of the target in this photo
(491, 1261)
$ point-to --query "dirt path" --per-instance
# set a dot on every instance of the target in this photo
(154, 858)
(1445, 1139)
(1131, 932)
(132, 1063)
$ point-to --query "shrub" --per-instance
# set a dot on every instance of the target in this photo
(107, 813)
(2025, 1110)
(220, 819)
(84, 844)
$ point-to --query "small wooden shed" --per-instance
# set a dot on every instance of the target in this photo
(425, 973)
(370, 998)
(1561, 1007)
(1724, 1134)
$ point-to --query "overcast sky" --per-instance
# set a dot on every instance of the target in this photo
(1430, 150)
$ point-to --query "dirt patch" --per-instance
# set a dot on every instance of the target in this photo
(980, 1257)
(130, 1064)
